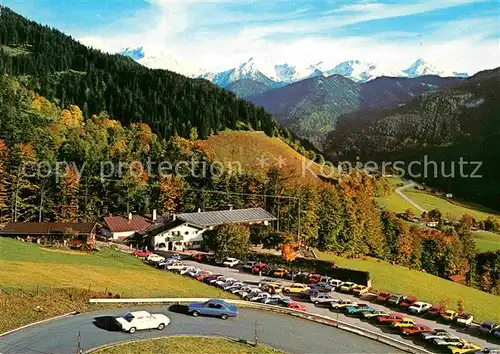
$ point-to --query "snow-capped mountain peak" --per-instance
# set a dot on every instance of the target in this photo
(422, 67)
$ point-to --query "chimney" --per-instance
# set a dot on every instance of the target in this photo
(154, 214)
(174, 217)
(230, 206)
(129, 216)
(199, 210)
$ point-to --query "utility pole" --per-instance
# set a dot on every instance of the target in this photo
(299, 221)
(41, 204)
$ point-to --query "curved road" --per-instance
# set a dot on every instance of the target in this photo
(291, 334)
(399, 191)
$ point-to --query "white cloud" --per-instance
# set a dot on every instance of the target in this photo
(191, 33)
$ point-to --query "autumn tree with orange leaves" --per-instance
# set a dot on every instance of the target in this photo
(170, 193)
(67, 210)
(3, 179)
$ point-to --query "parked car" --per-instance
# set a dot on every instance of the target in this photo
(336, 283)
(496, 334)
(175, 266)
(235, 285)
(272, 288)
(322, 298)
(395, 299)
(203, 275)
(448, 341)
(435, 311)
(449, 315)
(322, 286)
(154, 258)
(340, 305)
(141, 253)
(464, 319)
(296, 306)
(373, 314)
(404, 323)
(436, 333)
(257, 296)
(489, 350)
(314, 278)
(389, 319)
(186, 269)
(419, 307)
(138, 320)
(347, 287)
(249, 265)
(230, 262)
(416, 329)
(464, 348)
(383, 296)
(197, 257)
(278, 272)
(295, 288)
(487, 327)
(260, 268)
(218, 308)
(359, 308)
(251, 294)
(408, 301)
(360, 290)
(306, 294)
(245, 290)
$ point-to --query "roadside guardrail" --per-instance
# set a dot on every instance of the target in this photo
(306, 315)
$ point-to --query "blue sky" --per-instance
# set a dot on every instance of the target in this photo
(461, 35)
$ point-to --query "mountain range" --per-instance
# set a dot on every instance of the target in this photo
(274, 75)
(311, 107)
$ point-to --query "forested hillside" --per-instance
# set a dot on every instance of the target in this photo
(311, 107)
(62, 69)
(446, 125)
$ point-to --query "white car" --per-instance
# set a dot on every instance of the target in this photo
(166, 262)
(250, 293)
(187, 269)
(138, 320)
(235, 285)
(227, 281)
(336, 283)
(175, 266)
(419, 307)
(465, 319)
(243, 291)
(230, 262)
(154, 258)
(249, 264)
(342, 304)
(258, 296)
(322, 298)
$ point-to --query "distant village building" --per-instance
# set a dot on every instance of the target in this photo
(185, 231)
(70, 234)
(433, 224)
(118, 228)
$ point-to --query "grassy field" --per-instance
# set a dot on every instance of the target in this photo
(251, 147)
(187, 345)
(424, 286)
(32, 276)
(456, 209)
(396, 204)
(487, 241)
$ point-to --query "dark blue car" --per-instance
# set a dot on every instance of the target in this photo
(217, 308)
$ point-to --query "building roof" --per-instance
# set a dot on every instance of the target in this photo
(121, 224)
(45, 228)
(220, 217)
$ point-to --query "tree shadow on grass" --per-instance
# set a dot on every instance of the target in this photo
(107, 323)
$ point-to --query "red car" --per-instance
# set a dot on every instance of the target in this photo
(383, 296)
(296, 306)
(260, 267)
(141, 253)
(408, 301)
(203, 275)
(314, 278)
(435, 311)
(198, 257)
(389, 319)
(417, 329)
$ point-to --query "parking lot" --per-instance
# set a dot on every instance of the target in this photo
(325, 311)
(468, 334)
